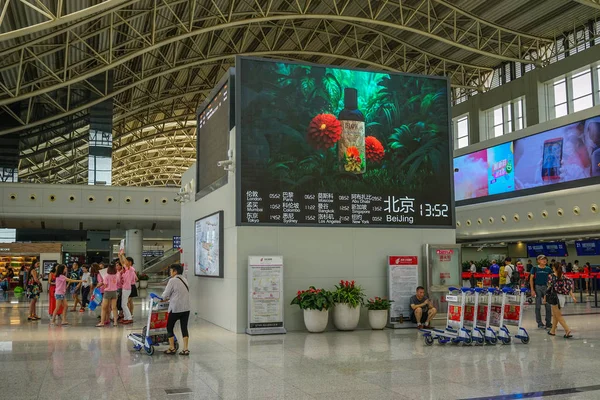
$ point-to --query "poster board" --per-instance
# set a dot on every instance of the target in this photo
(265, 295)
(208, 246)
(403, 280)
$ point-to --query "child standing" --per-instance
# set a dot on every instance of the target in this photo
(60, 294)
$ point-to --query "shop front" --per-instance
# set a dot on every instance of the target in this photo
(17, 258)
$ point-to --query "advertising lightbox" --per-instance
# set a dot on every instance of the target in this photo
(208, 238)
(540, 162)
(323, 145)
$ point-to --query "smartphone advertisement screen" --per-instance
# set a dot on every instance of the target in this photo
(565, 154)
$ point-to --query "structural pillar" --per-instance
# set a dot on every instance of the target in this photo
(133, 247)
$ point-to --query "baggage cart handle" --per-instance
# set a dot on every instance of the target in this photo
(155, 296)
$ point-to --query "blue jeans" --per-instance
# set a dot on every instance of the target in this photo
(540, 292)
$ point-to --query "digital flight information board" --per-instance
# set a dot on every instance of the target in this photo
(320, 145)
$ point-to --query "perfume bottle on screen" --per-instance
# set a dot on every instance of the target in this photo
(351, 146)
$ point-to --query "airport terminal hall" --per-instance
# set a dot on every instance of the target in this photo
(299, 199)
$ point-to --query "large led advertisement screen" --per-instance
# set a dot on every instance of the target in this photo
(208, 238)
(322, 145)
(565, 154)
(485, 172)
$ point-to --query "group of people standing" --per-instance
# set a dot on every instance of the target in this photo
(116, 282)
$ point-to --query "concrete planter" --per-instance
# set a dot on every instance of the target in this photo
(378, 319)
(345, 317)
(315, 320)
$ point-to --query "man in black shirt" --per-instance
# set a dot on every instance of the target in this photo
(422, 310)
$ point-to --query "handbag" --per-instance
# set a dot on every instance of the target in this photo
(551, 296)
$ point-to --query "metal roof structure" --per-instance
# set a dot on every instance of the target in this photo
(164, 56)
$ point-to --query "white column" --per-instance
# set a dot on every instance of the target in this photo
(133, 247)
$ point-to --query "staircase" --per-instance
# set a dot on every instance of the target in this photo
(160, 263)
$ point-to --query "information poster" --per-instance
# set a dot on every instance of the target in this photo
(47, 267)
(403, 279)
(208, 233)
(324, 145)
(265, 295)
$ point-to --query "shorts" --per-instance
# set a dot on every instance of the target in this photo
(109, 295)
(59, 296)
(413, 317)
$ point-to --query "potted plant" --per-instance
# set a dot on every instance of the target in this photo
(378, 312)
(315, 303)
(347, 297)
(143, 278)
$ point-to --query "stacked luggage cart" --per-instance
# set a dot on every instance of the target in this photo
(481, 315)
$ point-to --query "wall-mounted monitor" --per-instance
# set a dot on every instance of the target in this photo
(329, 146)
(214, 119)
(587, 247)
(208, 248)
(556, 159)
(549, 249)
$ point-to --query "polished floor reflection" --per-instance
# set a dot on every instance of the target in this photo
(83, 362)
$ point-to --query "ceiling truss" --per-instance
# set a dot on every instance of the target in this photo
(164, 56)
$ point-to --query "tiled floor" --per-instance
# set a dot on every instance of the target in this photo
(83, 362)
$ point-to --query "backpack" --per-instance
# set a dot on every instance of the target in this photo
(515, 276)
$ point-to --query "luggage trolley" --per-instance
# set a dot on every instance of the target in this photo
(455, 331)
(513, 312)
(484, 316)
(472, 308)
(155, 331)
(503, 312)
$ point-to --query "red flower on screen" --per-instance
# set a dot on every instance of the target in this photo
(324, 131)
(374, 149)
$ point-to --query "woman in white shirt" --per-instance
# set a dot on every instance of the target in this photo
(177, 293)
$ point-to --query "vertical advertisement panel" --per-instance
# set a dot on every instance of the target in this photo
(265, 295)
(403, 279)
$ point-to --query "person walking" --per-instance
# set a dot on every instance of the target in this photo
(563, 287)
(495, 270)
(177, 293)
(34, 288)
(538, 281)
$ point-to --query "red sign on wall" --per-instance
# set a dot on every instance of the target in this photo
(445, 251)
(403, 260)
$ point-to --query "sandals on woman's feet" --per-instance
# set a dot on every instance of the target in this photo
(551, 334)
(99, 325)
(568, 335)
(184, 353)
(170, 352)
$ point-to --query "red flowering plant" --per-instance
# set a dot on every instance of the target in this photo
(313, 299)
(374, 149)
(353, 162)
(324, 131)
(349, 293)
(379, 303)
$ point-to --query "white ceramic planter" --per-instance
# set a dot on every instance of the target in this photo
(315, 320)
(143, 284)
(345, 317)
(378, 318)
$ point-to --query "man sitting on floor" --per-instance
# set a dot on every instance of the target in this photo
(422, 310)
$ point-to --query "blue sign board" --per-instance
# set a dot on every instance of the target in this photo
(550, 249)
(176, 242)
(587, 247)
